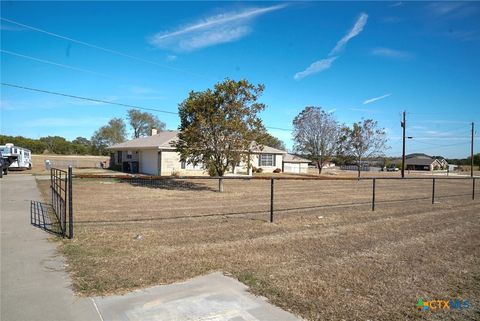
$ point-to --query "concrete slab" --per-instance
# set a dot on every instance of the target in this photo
(34, 285)
(213, 297)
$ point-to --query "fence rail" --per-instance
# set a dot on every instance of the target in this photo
(191, 183)
(61, 190)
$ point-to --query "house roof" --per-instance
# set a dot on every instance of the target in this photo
(289, 158)
(163, 140)
(160, 141)
(420, 161)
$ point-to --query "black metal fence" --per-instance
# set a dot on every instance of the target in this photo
(281, 194)
(62, 199)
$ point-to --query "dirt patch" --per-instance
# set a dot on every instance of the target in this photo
(326, 257)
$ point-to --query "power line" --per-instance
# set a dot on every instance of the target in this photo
(52, 63)
(116, 52)
(105, 101)
(88, 99)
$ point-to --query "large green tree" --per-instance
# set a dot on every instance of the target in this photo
(362, 141)
(142, 123)
(113, 133)
(56, 144)
(81, 146)
(219, 126)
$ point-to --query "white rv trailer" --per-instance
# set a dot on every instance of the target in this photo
(20, 158)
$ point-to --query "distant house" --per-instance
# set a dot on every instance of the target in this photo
(422, 162)
(154, 155)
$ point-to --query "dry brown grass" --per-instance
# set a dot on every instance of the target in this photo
(87, 163)
(320, 259)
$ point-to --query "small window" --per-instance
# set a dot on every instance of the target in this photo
(129, 156)
(266, 160)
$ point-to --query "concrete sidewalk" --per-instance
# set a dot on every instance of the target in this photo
(213, 297)
(34, 284)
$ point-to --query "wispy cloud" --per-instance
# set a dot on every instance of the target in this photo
(317, 66)
(222, 28)
(462, 35)
(372, 100)
(324, 64)
(355, 31)
(171, 57)
(451, 9)
(396, 4)
(391, 53)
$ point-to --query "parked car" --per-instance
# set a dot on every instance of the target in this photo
(3, 166)
(392, 169)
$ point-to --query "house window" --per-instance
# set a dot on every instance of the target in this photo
(191, 167)
(266, 160)
(119, 156)
(129, 156)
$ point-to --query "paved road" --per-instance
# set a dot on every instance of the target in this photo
(34, 284)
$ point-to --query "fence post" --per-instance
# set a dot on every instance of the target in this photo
(271, 198)
(373, 195)
(433, 190)
(473, 189)
(70, 203)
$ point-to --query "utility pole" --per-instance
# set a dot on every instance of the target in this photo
(404, 125)
(471, 150)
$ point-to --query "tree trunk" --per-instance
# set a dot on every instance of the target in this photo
(319, 165)
(358, 167)
(220, 185)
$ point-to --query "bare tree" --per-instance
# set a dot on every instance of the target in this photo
(316, 135)
(363, 140)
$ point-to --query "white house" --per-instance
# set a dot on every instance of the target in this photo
(154, 155)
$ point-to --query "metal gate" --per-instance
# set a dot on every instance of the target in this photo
(61, 199)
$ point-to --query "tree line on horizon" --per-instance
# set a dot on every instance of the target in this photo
(217, 125)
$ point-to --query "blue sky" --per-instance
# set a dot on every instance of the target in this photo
(357, 60)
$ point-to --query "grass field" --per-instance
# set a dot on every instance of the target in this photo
(326, 257)
(86, 163)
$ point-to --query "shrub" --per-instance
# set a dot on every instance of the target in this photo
(259, 170)
(116, 167)
(277, 170)
(212, 171)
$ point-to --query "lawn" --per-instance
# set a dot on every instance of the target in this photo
(327, 256)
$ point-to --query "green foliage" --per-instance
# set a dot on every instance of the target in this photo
(142, 123)
(272, 141)
(114, 132)
(50, 144)
(35, 145)
(57, 145)
(218, 125)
